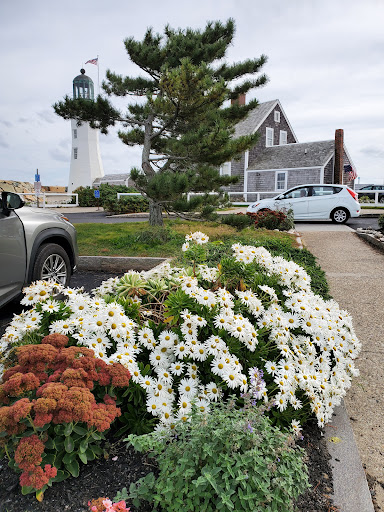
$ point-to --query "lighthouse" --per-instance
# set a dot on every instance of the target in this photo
(86, 163)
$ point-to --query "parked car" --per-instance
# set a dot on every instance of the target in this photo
(313, 201)
(35, 244)
(370, 191)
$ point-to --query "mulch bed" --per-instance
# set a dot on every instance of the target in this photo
(122, 466)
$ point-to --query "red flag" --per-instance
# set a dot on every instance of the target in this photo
(93, 61)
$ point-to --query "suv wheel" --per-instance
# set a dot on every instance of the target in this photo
(52, 262)
(340, 215)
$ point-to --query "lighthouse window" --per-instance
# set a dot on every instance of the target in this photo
(75, 153)
(75, 134)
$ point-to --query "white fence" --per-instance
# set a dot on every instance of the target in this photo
(48, 199)
(377, 201)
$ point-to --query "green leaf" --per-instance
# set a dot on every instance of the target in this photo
(68, 429)
(49, 444)
(83, 457)
(83, 446)
(69, 445)
(73, 468)
(27, 489)
(80, 430)
(59, 430)
(90, 455)
(61, 475)
(69, 457)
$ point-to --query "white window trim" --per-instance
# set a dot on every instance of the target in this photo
(228, 166)
(280, 137)
(285, 181)
(268, 131)
(276, 116)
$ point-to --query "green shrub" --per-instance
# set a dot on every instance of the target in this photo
(237, 220)
(108, 193)
(381, 222)
(231, 459)
(365, 199)
(270, 219)
(127, 204)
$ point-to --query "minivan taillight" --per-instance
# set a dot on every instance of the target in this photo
(353, 194)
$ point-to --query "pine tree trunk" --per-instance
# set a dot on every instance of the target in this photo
(155, 214)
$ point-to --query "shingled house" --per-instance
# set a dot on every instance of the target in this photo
(278, 161)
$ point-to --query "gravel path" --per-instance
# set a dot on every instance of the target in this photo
(355, 273)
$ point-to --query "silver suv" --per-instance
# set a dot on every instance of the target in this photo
(34, 244)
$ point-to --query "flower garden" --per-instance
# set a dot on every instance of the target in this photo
(211, 367)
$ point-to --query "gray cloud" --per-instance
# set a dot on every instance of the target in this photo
(48, 116)
(373, 151)
(3, 144)
(59, 156)
(8, 124)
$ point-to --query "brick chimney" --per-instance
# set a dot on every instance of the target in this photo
(240, 100)
(339, 157)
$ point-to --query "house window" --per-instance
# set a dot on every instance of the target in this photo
(75, 133)
(269, 137)
(283, 137)
(226, 169)
(75, 153)
(276, 116)
(281, 180)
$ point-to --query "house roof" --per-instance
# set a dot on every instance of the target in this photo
(256, 117)
(290, 156)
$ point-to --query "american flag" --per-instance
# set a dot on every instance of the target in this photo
(93, 61)
(352, 174)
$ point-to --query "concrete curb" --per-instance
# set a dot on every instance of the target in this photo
(117, 264)
(371, 240)
(350, 487)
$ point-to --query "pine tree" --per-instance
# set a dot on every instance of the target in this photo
(181, 116)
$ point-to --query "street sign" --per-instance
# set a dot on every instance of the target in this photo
(97, 194)
(37, 185)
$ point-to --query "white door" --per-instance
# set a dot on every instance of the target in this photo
(322, 201)
(295, 200)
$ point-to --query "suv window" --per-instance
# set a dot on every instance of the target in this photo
(320, 191)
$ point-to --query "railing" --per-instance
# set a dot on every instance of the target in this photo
(46, 195)
(378, 202)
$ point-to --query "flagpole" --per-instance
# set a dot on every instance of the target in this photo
(98, 76)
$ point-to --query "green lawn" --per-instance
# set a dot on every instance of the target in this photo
(139, 239)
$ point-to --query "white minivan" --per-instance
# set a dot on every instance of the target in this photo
(314, 201)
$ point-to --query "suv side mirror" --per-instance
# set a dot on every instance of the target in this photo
(10, 201)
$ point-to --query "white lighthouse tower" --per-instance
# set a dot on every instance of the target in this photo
(86, 163)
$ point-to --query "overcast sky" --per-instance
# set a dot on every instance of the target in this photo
(325, 65)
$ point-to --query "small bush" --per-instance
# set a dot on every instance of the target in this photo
(381, 222)
(270, 219)
(231, 459)
(108, 194)
(238, 221)
(365, 199)
(130, 204)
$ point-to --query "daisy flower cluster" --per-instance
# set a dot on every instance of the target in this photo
(304, 346)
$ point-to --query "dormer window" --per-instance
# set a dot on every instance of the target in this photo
(276, 116)
(268, 137)
(283, 137)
